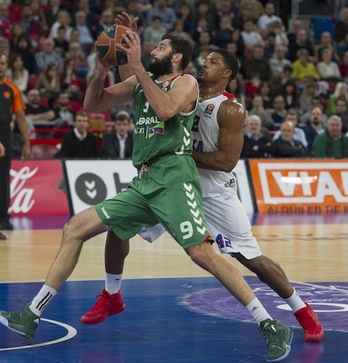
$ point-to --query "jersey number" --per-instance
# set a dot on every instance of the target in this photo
(146, 106)
(186, 229)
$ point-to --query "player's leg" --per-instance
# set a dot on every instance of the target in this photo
(230, 225)
(80, 228)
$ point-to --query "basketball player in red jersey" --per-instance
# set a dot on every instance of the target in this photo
(10, 103)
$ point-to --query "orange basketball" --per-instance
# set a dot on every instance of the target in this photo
(106, 45)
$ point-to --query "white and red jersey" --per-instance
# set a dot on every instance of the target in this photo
(205, 132)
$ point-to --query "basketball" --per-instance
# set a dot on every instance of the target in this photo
(106, 45)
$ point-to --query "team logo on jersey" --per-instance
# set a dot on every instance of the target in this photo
(7, 94)
(165, 86)
(209, 109)
(158, 129)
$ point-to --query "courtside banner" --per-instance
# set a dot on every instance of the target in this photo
(37, 188)
(92, 181)
(300, 186)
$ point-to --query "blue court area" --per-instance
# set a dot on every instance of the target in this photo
(166, 320)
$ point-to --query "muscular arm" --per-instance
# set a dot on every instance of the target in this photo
(231, 117)
(23, 129)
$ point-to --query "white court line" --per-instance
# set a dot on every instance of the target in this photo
(70, 334)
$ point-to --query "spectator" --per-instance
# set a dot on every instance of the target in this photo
(81, 68)
(179, 29)
(256, 145)
(269, 45)
(341, 91)
(69, 81)
(61, 45)
(165, 12)
(106, 20)
(257, 64)
(280, 36)
(308, 92)
(342, 111)
(134, 9)
(38, 13)
(286, 146)
(203, 40)
(314, 127)
(295, 25)
(278, 60)
(33, 28)
(236, 88)
(279, 113)
(203, 12)
(304, 70)
(277, 83)
(155, 31)
(341, 28)
(229, 8)
(118, 143)
(258, 109)
(5, 22)
(85, 35)
(185, 13)
(224, 31)
(267, 20)
(4, 46)
(325, 43)
(48, 84)
(37, 113)
(17, 30)
(63, 19)
(265, 92)
(305, 117)
(301, 42)
(299, 134)
(328, 69)
(63, 114)
(343, 66)
(250, 9)
(233, 49)
(331, 143)
(48, 55)
(91, 18)
(79, 143)
(18, 74)
(290, 94)
(250, 36)
(238, 40)
(25, 49)
(52, 12)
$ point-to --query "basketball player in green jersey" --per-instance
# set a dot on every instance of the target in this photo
(167, 188)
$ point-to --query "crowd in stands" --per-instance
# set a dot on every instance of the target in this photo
(293, 86)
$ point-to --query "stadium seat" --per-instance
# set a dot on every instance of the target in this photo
(322, 24)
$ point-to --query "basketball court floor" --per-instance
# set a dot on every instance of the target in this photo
(175, 312)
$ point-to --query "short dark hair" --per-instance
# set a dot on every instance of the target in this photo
(231, 61)
(180, 45)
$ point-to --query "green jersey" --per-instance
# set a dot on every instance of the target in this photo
(154, 138)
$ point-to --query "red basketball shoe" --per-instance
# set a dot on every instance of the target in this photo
(308, 319)
(107, 305)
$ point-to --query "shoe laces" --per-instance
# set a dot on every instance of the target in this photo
(269, 333)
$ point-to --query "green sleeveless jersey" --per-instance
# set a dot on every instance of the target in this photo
(154, 138)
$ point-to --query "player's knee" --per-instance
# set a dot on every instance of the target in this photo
(70, 233)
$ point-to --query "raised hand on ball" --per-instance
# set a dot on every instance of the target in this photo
(126, 20)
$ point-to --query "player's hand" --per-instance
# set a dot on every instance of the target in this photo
(132, 48)
(125, 20)
(26, 151)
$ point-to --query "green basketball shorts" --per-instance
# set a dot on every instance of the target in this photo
(168, 191)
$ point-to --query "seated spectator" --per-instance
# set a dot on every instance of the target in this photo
(267, 19)
(286, 146)
(280, 36)
(204, 40)
(4, 46)
(238, 40)
(61, 45)
(79, 143)
(250, 36)
(5, 22)
(309, 91)
(203, 18)
(279, 113)
(48, 55)
(118, 143)
(291, 97)
(24, 48)
(85, 35)
(341, 91)
(250, 9)
(69, 81)
(63, 114)
(256, 145)
(269, 45)
(304, 70)
(332, 143)
(81, 68)
(343, 66)
(341, 106)
(278, 61)
(341, 28)
(314, 127)
(299, 134)
(162, 10)
(325, 43)
(265, 92)
(236, 87)
(37, 113)
(17, 72)
(63, 19)
(155, 31)
(33, 28)
(48, 83)
(258, 109)
(224, 31)
(257, 64)
(301, 42)
(328, 69)
(106, 20)
(277, 83)
(305, 117)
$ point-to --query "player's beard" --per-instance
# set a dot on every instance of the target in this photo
(160, 67)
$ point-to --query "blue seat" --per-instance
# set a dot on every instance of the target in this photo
(322, 24)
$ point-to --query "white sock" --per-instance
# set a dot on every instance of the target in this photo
(257, 310)
(295, 302)
(113, 283)
(42, 299)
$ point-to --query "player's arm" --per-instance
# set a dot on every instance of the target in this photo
(2, 150)
(231, 117)
(98, 98)
(181, 98)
